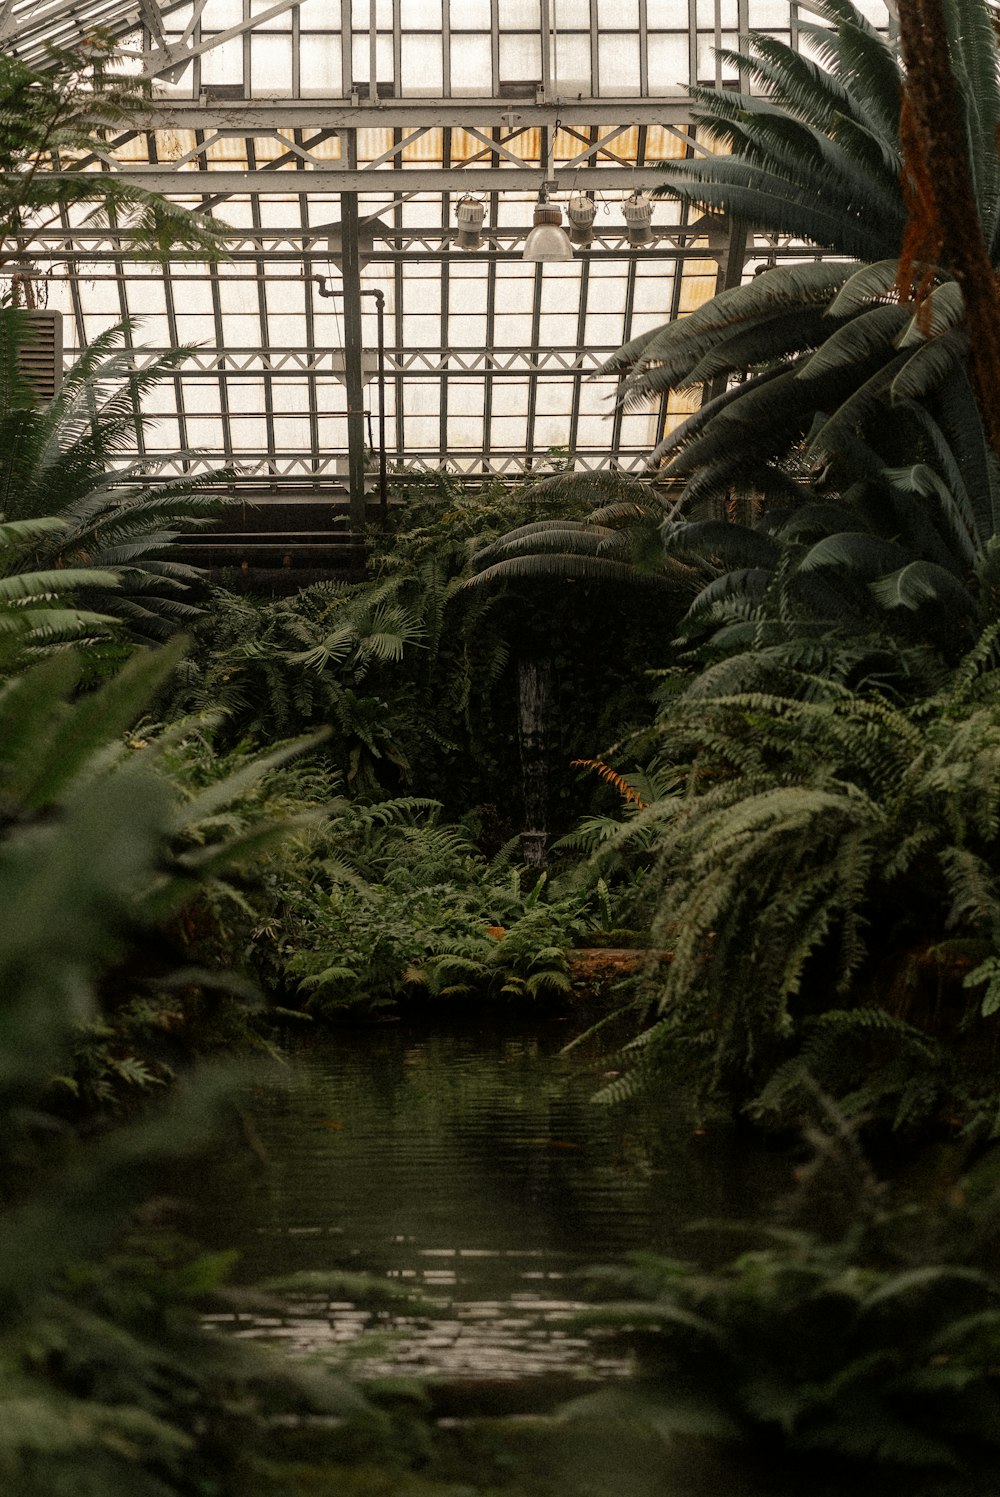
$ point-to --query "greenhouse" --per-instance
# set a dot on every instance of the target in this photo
(407, 116)
(499, 748)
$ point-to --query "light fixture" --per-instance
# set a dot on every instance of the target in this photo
(638, 211)
(548, 239)
(581, 211)
(470, 214)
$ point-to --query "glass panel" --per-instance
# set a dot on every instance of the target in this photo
(473, 15)
(202, 396)
(561, 293)
(552, 431)
(604, 330)
(383, 59)
(769, 12)
(245, 394)
(556, 330)
(419, 332)
(150, 329)
(420, 65)
(515, 294)
(471, 65)
(510, 397)
(421, 293)
(161, 435)
(223, 64)
(242, 332)
(554, 397)
(572, 64)
(466, 398)
(873, 10)
(668, 64)
(361, 14)
(204, 432)
(465, 431)
(653, 290)
(520, 57)
(512, 332)
(285, 331)
(508, 431)
(320, 65)
(723, 13)
(468, 332)
(709, 67)
(572, 14)
(421, 431)
(332, 433)
(271, 64)
(622, 15)
(219, 15)
(467, 293)
(639, 430)
(618, 64)
(420, 15)
(513, 14)
(319, 15)
(593, 431)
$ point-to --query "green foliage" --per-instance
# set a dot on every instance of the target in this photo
(37, 606)
(61, 459)
(56, 114)
(395, 905)
(823, 852)
(416, 674)
(109, 1383)
(862, 1356)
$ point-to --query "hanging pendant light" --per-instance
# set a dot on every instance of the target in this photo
(548, 239)
(581, 212)
(638, 211)
(470, 214)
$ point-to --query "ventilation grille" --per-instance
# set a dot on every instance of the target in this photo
(40, 355)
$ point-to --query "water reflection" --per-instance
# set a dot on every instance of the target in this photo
(474, 1169)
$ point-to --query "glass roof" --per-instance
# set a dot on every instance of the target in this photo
(264, 114)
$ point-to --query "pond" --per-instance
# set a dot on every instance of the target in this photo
(473, 1169)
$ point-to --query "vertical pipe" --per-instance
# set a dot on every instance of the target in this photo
(546, 41)
(372, 51)
(383, 498)
(352, 362)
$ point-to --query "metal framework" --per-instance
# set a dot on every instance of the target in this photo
(280, 118)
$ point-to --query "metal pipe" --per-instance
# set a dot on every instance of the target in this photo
(379, 296)
(383, 495)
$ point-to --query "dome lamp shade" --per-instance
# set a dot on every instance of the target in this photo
(548, 239)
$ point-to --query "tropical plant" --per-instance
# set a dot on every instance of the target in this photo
(61, 458)
(417, 675)
(829, 852)
(843, 430)
(36, 607)
(851, 1345)
(56, 115)
(110, 1383)
(393, 905)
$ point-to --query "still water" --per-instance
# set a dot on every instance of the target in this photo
(474, 1170)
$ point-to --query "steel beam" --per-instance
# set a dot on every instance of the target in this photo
(526, 179)
(265, 115)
